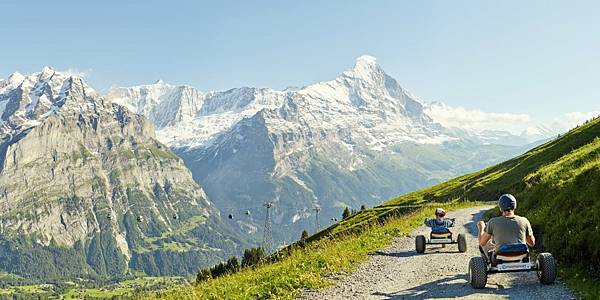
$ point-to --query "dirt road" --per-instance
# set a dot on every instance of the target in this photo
(398, 272)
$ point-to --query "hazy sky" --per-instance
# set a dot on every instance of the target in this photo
(533, 58)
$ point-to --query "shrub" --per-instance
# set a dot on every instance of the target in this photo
(232, 265)
(304, 235)
(203, 275)
(252, 257)
(346, 213)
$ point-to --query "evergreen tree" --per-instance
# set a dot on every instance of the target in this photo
(346, 213)
(252, 257)
(232, 265)
(218, 270)
(304, 235)
(203, 275)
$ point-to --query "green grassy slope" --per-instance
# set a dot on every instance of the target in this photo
(309, 266)
(557, 185)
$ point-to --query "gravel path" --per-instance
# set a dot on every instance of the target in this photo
(398, 272)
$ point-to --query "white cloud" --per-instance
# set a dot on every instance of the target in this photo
(572, 119)
(77, 72)
(477, 120)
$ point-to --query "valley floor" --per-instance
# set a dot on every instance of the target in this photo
(398, 272)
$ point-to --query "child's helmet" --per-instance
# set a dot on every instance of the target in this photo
(440, 212)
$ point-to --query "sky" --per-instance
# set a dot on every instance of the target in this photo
(517, 62)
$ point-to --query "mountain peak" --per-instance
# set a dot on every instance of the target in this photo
(15, 78)
(47, 70)
(366, 59)
(365, 68)
(159, 82)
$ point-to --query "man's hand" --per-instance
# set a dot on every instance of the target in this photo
(530, 240)
(481, 226)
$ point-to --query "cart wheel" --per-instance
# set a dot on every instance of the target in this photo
(462, 243)
(420, 244)
(477, 272)
(546, 268)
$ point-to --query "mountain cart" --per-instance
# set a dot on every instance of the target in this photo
(440, 236)
(510, 258)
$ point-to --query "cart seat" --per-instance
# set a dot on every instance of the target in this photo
(440, 233)
(512, 252)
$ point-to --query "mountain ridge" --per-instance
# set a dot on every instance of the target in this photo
(355, 140)
(86, 190)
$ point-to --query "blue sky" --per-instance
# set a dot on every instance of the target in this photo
(539, 58)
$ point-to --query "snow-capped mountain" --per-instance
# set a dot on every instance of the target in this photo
(363, 97)
(25, 101)
(358, 139)
(86, 190)
(185, 116)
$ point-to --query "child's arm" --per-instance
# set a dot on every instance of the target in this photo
(451, 222)
(427, 222)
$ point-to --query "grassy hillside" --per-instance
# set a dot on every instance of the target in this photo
(309, 266)
(557, 185)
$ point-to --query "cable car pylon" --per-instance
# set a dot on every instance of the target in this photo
(267, 230)
(317, 209)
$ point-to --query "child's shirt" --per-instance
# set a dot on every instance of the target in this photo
(439, 222)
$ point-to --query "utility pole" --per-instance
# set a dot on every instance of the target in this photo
(267, 231)
(317, 224)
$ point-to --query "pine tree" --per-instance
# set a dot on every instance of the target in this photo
(304, 235)
(252, 257)
(232, 265)
(218, 270)
(203, 275)
(346, 213)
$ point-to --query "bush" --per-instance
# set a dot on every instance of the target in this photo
(304, 235)
(218, 270)
(203, 275)
(346, 213)
(232, 265)
(252, 257)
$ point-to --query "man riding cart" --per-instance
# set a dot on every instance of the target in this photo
(504, 245)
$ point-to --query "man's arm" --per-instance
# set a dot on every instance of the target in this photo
(531, 240)
(484, 238)
(485, 233)
(530, 237)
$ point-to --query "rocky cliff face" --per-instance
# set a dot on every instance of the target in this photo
(86, 189)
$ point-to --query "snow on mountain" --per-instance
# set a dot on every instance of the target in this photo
(185, 116)
(363, 98)
(538, 131)
(26, 100)
(357, 139)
